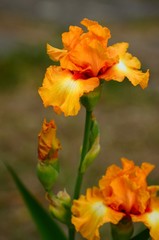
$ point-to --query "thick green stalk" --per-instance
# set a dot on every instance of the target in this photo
(83, 154)
(79, 179)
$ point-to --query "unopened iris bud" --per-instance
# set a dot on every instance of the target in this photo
(48, 143)
(60, 205)
(47, 173)
(123, 230)
(89, 100)
(48, 146)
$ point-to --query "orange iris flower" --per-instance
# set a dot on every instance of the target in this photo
(121, 192)
(48, 144)
(84, 60)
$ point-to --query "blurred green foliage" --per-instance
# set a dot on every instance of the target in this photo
(124, 94)
(21, 64)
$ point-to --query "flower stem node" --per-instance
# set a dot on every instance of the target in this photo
(123, 230)
(47, 173)
(59, 207)
(89, 100)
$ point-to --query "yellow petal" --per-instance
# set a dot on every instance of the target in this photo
(150, 218)
(90, 212)
(128, 66)
(63, 92)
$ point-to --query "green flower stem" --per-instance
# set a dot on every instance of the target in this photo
(85, 149)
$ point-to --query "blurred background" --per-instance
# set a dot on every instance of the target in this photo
(128, 116)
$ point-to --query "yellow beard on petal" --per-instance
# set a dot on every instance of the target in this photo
(121, 66)
(153, 217)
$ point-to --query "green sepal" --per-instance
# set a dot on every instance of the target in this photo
(47, 172)
(123, 230)
(89, 100)
(91, 155)
(60, 207)
(94, 146)
(144, 235)
(47, 227)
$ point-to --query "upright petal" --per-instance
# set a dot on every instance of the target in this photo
(125, 189)
(63, 92)
(71, 38)
(91, 56)
(97, 31)
(55, 53)
(90, 212)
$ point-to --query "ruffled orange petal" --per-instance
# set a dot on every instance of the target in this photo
(63, 92)
(48, 144)
(91, 57)
(71, 38)
(153, 189)
(128, 66)
(97, 31)
(90, 212)
(55, 53)
(85, 52)
(67, 63)
(125, 189)
(151, 218)
(128, 196)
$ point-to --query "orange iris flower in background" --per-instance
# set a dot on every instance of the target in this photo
(121, 192)
(84, 60)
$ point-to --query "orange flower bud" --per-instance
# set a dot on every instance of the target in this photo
(48, 144)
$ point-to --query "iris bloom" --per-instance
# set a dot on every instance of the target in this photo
(84, 60)
(48, 144)
(121, 192)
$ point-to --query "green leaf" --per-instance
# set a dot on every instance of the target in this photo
(144, 235)
(47, 228)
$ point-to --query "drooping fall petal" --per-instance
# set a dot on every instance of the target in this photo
(150, 218)
(90, 212)
(62, 91)
(128, 66)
